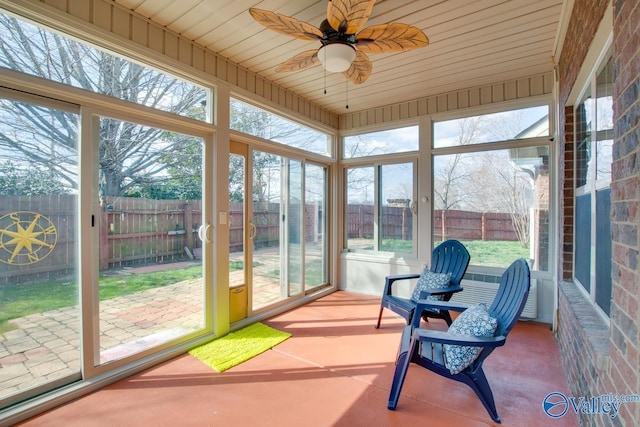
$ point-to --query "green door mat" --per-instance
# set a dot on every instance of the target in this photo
(237, 347)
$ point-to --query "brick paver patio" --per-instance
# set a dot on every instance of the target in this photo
(46, 346)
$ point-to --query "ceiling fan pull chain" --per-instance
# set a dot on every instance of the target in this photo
(325, 81)
(347, 80)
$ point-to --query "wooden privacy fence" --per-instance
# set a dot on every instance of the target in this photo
(139, 231)
(396, 223)
(465, 225)
(131, 231)
(266, 218)
(135, 230)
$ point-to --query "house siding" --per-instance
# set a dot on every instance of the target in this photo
(473, 97)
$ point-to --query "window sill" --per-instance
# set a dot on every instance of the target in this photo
(592, 327)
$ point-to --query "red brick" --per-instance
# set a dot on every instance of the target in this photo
(13, 359)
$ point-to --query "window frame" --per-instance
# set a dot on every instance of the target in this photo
(537, 141)
(377, 194)
(592, 185)
(91, 105)
(300, 152)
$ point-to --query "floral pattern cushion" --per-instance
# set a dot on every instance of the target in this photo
(429, 281)
(475, 321)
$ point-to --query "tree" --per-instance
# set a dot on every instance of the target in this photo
(498, 185)
(488, 181)
(450, 173)
(130, 154)
(31, 181)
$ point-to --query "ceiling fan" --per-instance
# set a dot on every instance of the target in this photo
(344, 42)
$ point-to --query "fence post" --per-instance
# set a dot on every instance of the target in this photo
(482, 227)
(443, 224)
(187, 210)
(103, 239)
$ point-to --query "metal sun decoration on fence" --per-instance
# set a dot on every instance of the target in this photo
(26, 237)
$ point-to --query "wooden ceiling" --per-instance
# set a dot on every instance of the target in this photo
(472, 43)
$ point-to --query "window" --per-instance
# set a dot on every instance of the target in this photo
(594, 143)
(85, 199)
(384, 142)
(263, 124)
(380, 208)
(507, 125)
(39, 264)
(60, 59)
(380, 196)
(150, 215)
(496, 201)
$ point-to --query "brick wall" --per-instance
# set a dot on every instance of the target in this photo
(624, 372)
(600, 358)
(585, 17)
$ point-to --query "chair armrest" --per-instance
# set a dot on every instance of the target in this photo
(388, 281)
(427, 304)
(441, 337)
(440, 291)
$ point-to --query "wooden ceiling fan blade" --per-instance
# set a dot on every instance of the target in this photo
(360, 69)
(286, 25)
(388, 38)
(300, 61)
(349, 16)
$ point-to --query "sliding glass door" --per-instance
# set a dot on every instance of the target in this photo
(151, 288)
(39, 287)
(277, 244)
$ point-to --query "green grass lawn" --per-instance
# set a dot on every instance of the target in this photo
(486, 253)
(495, 253)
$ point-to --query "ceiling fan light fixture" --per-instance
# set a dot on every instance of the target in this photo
(336, 57)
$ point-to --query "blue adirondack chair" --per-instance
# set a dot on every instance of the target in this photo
(426, 347)
(449, 256)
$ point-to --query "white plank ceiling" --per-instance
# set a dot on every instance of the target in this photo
(472, 43)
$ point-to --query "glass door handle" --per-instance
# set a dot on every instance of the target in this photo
(203, 232)
(252, 230)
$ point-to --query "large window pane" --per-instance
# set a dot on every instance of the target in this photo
(150, 285)
(584, 119)
(263, 124)
(315, 265)
(289, 246)
(603, 250)
(582, 259)
(294, 217)
(514, 124)
(390, 228)
(383, 142)
(396, 215)
(360, 204)
(32, 50)
(496, 202)
(268, 209)
(594, 142)
(39, 288)
(604, 121)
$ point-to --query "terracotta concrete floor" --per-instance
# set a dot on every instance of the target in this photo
(335, 370)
